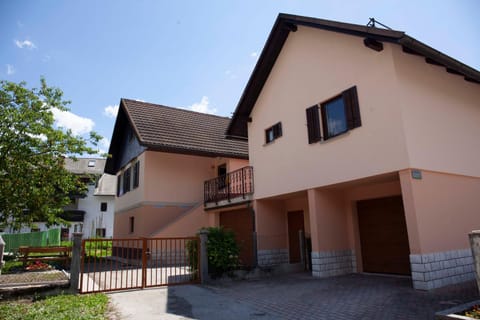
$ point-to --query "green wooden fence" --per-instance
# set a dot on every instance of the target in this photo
(32, 239)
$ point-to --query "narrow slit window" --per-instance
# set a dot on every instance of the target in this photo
(273, 133)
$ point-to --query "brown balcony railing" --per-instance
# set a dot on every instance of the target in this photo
(233, 185)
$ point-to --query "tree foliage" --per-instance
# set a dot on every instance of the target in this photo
(34, 184)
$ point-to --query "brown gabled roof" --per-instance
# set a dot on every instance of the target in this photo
(287, 23)
(173, 130)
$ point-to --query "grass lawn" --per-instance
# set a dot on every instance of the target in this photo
(67, 306)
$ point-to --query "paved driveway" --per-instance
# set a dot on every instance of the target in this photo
(294, 296)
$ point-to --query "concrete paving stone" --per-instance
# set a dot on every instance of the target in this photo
(297, 296)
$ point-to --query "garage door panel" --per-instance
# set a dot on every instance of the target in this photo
(241, 223)
(383, 236)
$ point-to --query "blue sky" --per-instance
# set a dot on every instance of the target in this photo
(191, 54)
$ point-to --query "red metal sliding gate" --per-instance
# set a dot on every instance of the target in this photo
(122, 264)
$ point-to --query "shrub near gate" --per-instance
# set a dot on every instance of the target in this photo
(222, 251)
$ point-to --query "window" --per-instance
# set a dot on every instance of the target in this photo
(136, 174)
(273, 132)
(119, 185)
(222, 176)
(338, 115)
(100, 232)
(132, 224)
(126, 180)
(91, 163)
(103, 206)
(78, 227)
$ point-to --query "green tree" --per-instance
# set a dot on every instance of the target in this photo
(34, 185)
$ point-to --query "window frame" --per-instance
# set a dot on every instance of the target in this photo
(273, 133)
(317, 122)
(103, 232)
(324, 112)
(103, 206)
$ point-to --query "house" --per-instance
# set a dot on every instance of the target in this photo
(171, 166)
(90, 213)
(367, 140)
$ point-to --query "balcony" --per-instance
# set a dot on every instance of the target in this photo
(235, 187)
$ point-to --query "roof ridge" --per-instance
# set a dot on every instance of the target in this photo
(176, 108)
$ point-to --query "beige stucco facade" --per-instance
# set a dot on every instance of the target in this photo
(169, 199)
(415, 116)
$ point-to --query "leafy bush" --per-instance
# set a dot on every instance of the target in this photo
(222, 251)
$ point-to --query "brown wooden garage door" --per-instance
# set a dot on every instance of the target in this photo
(241, 223)
(383, 236)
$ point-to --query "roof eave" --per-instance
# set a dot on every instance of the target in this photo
(285, 23)
(196, 152)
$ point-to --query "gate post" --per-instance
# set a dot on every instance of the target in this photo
(76, 260)
(203, 256)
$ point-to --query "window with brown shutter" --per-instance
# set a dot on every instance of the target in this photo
(136, 174)
(126, 180)
(338, 115)
(273, 133)
(313, 124)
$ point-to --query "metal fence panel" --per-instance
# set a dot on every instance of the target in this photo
(121, 264)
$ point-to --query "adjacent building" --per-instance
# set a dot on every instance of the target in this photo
(171, 165)
(90, 213)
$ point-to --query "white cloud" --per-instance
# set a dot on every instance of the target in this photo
(25, 44)
(10, 69)
(68, 120)
(203, 106)
(111, 111)
(254, 54)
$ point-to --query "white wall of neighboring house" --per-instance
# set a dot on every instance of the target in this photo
(94, 217)
(101, 192)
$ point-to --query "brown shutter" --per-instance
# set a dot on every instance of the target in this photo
(313, 124)
(352, 109)
(136, 174)
(277, 130)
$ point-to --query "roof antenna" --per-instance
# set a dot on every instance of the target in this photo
(372, 21)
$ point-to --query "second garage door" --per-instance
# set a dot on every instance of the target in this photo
(241, 223)
(383, 236)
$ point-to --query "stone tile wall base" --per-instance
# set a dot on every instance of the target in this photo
(440, 269)
(272, 257)
(333, 263)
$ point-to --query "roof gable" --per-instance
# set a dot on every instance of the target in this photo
(286, 23)
(173, 130)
